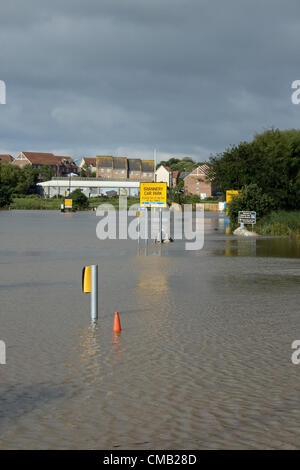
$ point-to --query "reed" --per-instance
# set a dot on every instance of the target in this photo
(281, 223)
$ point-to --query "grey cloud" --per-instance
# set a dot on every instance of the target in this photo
(186, 76)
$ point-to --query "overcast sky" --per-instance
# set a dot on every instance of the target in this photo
(189, 77)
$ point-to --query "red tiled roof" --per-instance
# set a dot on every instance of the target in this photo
(6, 158)
(38, 158)
(63, 158)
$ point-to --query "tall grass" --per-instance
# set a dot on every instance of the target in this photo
(29, 203)
(38, 203)
(280, 223)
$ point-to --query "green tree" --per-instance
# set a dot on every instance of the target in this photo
(9, 176)
(251, 198)
(79, 200)
(46, 172)
(16, 181)
(271, 161)
(176, 164)
(27, 180)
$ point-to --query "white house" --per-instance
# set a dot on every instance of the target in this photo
(163, 174)
(90, 163)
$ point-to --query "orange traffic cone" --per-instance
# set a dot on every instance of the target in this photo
(117, 324)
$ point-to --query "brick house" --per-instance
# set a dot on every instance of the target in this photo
(147, 170)
(61, 165)
(175, 178)
(6, 158)
(134, 168)
(66, 166)
(104, 166)
(197, 182)
(121, 168)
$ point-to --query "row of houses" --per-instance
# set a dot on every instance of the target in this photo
(196, 182)
(122, 168)
(119, 168)
(61, 165)
(109, 168)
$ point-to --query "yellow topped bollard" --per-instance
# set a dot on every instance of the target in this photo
(86, 280)
(90, 286)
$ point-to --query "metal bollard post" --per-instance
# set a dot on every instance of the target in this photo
(94, 292)
(160, 225)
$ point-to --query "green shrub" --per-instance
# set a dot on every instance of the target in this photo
(79, 200)
(251, 198)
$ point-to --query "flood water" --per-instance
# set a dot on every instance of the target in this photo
(203, 359)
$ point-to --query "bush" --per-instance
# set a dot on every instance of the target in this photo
(251, 198)
(79, 200)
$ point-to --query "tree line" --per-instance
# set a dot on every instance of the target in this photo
(16, 181)
(271, 161)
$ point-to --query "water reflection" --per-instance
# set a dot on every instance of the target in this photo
(262, 247)
(89, 353)
(153, 291)
(243, 247)
(118, 346)
(150, 249)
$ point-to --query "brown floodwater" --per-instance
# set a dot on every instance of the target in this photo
(203, 359)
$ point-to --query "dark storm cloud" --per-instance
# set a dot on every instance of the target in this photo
(189, 77)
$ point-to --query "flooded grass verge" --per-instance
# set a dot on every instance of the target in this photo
(281, 223)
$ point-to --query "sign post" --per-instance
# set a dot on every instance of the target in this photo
(247, 218)
(94, 293)
(154, 195)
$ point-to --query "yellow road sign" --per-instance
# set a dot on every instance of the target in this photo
(230, 193)
(68, 203)
(153, 194)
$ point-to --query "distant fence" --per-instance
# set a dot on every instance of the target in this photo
(214, 207)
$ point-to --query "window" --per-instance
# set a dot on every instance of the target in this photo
(102, 169)
(123, 171)
(108, 170)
